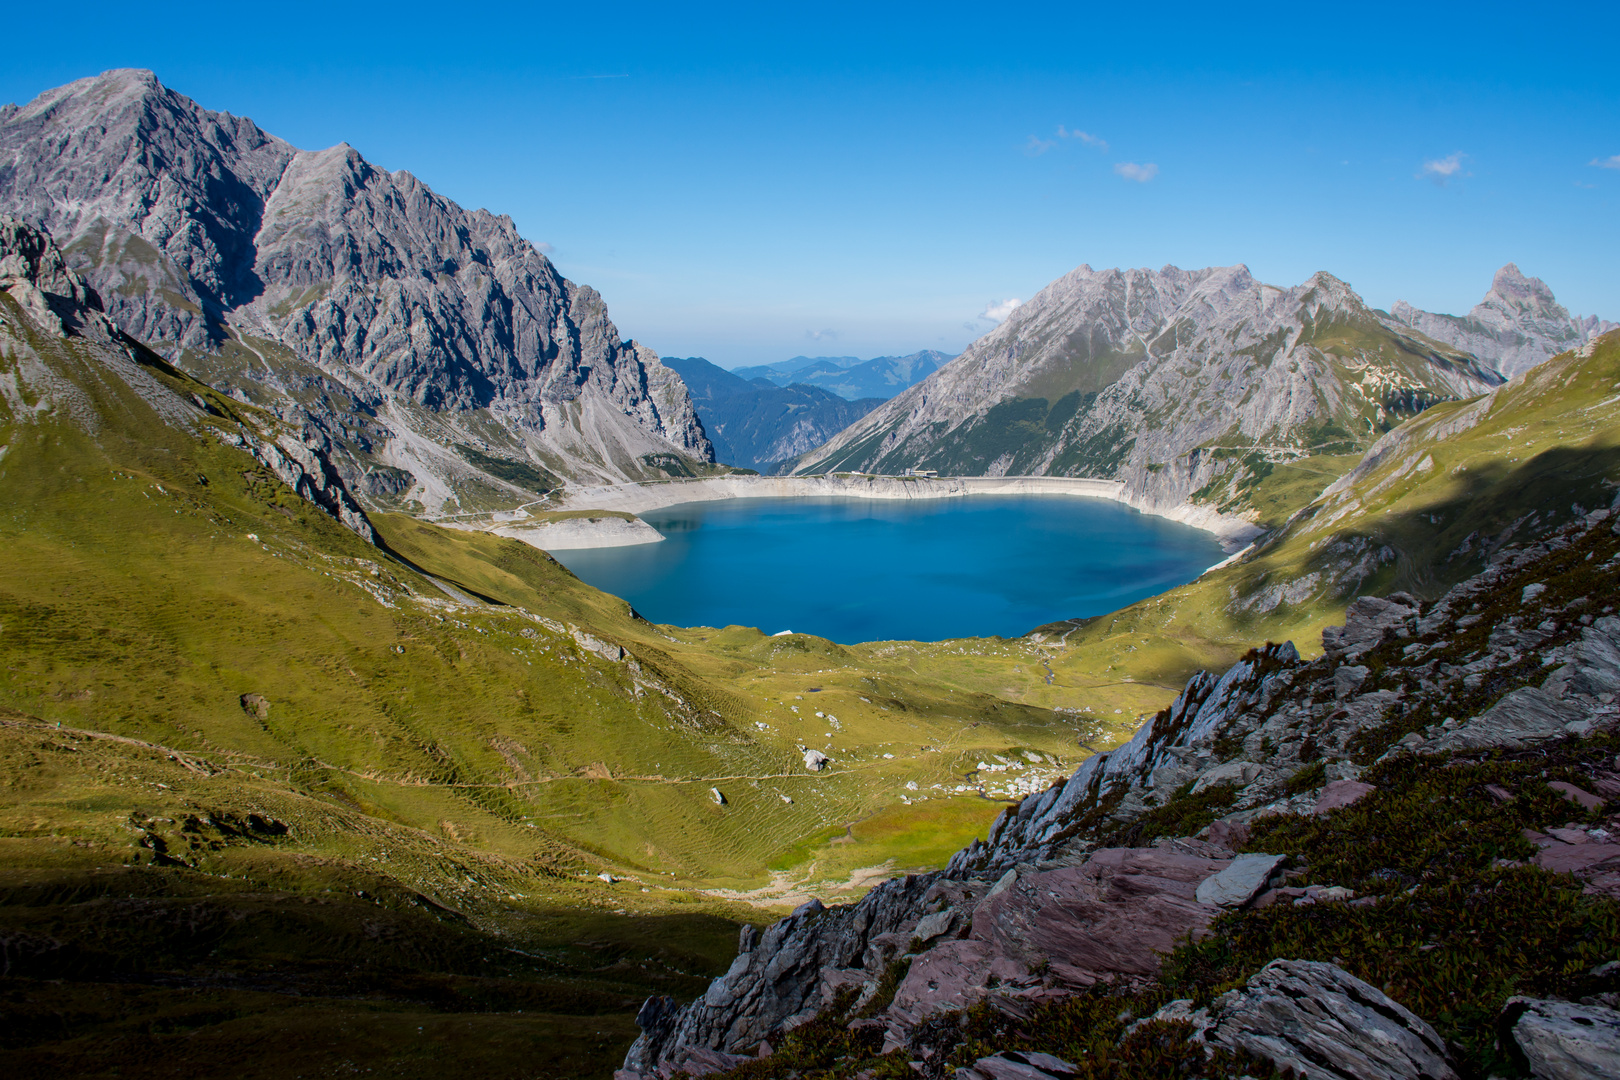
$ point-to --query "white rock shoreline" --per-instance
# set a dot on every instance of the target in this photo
(1233, 533)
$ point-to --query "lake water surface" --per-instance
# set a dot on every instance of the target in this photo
(871, 570)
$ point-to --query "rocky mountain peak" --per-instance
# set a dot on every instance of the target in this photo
(312, 282)
(1136, 375)
(1517, 325)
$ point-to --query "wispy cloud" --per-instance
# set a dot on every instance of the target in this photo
(1095, 141)
(544, 248)
(1037, 146)
(1608, 162)
(1443, 170)
(1130, 170)
(820, 335)
(1000, 309)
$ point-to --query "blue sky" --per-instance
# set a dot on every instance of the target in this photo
(858, 179)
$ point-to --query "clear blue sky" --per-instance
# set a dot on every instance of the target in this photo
(857, 179)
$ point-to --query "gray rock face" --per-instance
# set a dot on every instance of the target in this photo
(1325, 1024)
(1012, 1065)
(1517, 326)
(413, 340)
(1565, 1041)
(1240, 882)
(1133, 374)
(779, 981)
(60, 305)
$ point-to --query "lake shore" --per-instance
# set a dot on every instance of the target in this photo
(1232, 533)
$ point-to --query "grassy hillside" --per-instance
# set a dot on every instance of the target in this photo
(445, 759)
(1427, 507)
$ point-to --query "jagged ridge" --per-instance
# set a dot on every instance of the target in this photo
(405, 335)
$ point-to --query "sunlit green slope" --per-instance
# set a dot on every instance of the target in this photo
(1427, 507)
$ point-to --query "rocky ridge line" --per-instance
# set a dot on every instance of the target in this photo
(1170, 381)
(391, 326)
(1518, 325)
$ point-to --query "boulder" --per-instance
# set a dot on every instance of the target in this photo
(815, 760)
(1235, 773)
(1323, 1023)
(1348, 679)
(1366, 621)
(1240, 882)
(1341, 793)
(1564, 1041)
(932, 926)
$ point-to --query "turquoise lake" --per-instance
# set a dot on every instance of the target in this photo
(873, 570)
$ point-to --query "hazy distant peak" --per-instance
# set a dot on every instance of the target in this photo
(1509, 286)
(1517, 325)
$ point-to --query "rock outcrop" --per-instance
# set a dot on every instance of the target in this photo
(1041, 909)
(61, 307)
(1321, 1022)
(1561, 1040)
(1174, 382)
(430, 352)
(1518, 325)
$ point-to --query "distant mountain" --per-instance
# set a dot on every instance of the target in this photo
(787, 368)
(1187, 385)
(755, 424)
(1517, 326)
(850, 377)
(431, 352)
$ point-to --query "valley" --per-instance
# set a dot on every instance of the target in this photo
(313, 757)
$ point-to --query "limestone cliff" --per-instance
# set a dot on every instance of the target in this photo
(1176, 382)
(431, 352)
(1518, 325)
(57, 329)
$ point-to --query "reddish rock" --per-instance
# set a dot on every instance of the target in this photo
(1499, 793)
(1341, 793)
(1108, 919)
(1285, 895)
(1574, 794)
(1228, 835)
(1570, 836)
(1579, 859)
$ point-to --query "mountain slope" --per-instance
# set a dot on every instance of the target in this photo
(1518, 325)
(166, 584)
(1436, 500)
(1175, 382)
(434, 354)
(850, 377)
(755, 424)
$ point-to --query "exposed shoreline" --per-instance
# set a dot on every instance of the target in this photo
(1232, 533)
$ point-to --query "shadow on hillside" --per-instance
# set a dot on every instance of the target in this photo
(1472, 515)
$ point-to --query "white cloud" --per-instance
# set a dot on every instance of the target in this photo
(820, 335)
(1037, 146)
(999, 310)
(544, 248)
(1085, 137)
(1441, 170)
(1608, 162)
(1130, 170)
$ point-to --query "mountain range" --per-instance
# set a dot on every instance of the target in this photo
(431, 354)
(756, 424)
(1191, 386)
(849, 376)
(269, 748)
